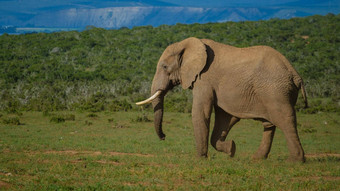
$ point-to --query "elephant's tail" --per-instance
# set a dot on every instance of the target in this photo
(299, 84)
(304, 95)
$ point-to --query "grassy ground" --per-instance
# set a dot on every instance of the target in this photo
(106, 151)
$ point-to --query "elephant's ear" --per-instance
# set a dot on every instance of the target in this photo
(192, 59)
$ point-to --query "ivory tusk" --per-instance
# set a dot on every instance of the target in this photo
(154, 96)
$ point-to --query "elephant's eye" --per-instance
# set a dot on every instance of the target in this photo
(165, 67)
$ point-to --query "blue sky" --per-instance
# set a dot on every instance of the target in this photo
(21, 4)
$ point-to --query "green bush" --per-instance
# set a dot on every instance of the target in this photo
(11, 121)
(97, 69)
(178, 101)
(322, 105)
(117, 105)
(92, 115)
(62, 118)
(69, 117)
(95, 103)
(57, 119)
(141, 118)
(88, 123)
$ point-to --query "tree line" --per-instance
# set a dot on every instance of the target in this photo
(99, 69)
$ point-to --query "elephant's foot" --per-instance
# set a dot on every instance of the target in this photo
(260, 156)
(202, 155)
(227, 147)
(231, 148)
(297, 158)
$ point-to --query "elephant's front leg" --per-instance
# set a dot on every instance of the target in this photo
(201, 112)
(223, 124)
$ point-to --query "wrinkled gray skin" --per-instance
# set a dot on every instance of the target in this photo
(256, 82)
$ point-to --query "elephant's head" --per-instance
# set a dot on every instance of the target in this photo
(180, 63)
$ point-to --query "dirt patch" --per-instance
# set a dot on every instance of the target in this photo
(108, 162)
(73, 152)
(6, 151)
(4, 184)
(92, 153)
(141, 184)
(322, 155)
(315, 178)
(98, 161)
(162, 165)
(96, 153)
(6, 173)
(130, 154)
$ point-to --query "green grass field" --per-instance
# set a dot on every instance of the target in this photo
(121, 151)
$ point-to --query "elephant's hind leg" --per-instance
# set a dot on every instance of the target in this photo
(221, 129)
(287, 123)
(225, 132)
(267, 140)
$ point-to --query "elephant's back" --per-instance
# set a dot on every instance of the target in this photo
(259, 75)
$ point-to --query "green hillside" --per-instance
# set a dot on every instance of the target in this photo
(100, 69)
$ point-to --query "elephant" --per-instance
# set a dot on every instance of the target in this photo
(255, 82)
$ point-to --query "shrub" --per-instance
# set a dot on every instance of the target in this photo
(322, 105)
(88, 123)
(57, 119)
(11, 121)
(46, 113)
(95, 103)
(92, 115)
(178, 101)
(60, 117)
(69, 117)
(141, 118)
(117, 105)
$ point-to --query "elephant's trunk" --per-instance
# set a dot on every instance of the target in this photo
(158, 106)
(160, 84)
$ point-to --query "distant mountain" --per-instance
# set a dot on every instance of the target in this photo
(116, 17)
(117, 14)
